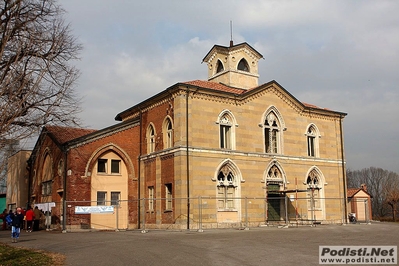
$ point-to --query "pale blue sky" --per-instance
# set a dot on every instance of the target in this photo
(342, 55)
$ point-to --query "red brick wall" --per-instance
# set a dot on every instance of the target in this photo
(126, 144)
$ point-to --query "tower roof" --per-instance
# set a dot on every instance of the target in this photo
(227, 49)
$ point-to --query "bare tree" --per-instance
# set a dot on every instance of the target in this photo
(392, 194)
(380, 184)
(36, 76)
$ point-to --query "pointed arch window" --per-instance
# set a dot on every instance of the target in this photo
(150, 139)
(274, 184)
(312, 141)
(243, 65)
(274, 173)
(168, 134)
(227, 125)
(219, 66)
(47, 176)
(272, 131)
(226, 189)
(314, 186)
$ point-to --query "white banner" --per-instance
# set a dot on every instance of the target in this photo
(45, 206)
(93, 209)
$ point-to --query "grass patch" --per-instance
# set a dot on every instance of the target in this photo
(17, 256)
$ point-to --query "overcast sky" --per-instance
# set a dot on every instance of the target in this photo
(341, 55)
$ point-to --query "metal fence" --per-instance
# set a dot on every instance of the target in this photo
(198, 213)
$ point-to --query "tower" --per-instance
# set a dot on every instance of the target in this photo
(235, 66)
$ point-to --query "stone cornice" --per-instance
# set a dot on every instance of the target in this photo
(195, 151)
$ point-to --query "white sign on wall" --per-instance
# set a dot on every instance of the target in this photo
(93, 209)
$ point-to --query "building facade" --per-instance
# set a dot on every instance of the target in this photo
(17, 180)
(200, 154)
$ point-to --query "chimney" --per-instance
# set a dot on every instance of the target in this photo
(364, 187)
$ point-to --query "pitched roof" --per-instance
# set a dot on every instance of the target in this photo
(65, 134)
(214, 86)
(226, 49)
(224, 88)
(219, 87)
(353, 191)
(314, 106)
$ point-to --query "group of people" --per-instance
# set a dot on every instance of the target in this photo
(29, 219)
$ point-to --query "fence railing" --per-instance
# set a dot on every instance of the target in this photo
(197, 213)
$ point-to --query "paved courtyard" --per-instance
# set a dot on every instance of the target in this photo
(257, 246)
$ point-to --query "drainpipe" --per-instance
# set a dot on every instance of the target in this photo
(139, 171)
(187, 166)
(343, 171)
(64, 193)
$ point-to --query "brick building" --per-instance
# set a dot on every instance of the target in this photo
(219, 151)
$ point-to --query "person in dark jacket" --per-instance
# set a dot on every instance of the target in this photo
(17, 223)
(3, 217)
(38, 215)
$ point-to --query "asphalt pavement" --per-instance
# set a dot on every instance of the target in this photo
(256, 246)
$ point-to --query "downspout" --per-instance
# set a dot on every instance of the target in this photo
(64, 205)
(187, 166)
(139, 171)
(29, 168)
(343, 171)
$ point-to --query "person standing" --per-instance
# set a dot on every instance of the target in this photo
(29, 216)
(3, 217)
(17, 223)
(38, 215)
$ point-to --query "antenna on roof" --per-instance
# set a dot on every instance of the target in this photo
(231, 33)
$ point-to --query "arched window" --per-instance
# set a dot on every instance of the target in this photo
(219, 66)
(243, 65)
(227, 125)
(225, 133)
(315, 186)
(150, 139)
(168, 133)
(312, 141)
(226, 187)
(272, 129)
(47, 176)
(275, 183)
(274, 173)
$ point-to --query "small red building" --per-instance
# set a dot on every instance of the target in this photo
(359, 203)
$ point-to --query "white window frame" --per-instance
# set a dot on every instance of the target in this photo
(312, 141)
(168, 133)
(226, 189)
(101, 198)
(314, 186)
(151, 138)
(272, 136)
(227, 125)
